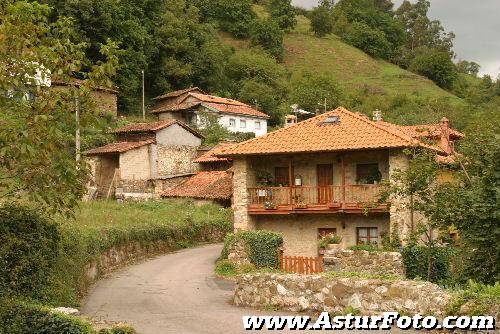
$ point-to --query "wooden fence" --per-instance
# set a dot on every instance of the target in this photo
(302, 264)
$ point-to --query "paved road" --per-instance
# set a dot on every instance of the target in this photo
(174, 293)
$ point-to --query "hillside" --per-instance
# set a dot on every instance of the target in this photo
(356, 70)
(351, 66)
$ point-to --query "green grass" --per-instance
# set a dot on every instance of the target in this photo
(385, 277)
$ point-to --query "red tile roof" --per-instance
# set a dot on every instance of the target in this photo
(428, 131)
(211, 155)
(153, 127)
(206, 185)
(353, 132)
(228, 106)
(120, 147)
(178, 93)
(176, 107)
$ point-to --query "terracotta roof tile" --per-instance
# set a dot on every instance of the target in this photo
(176, 107)
(208, 185)
(237, 109)
(153, 127)
(210, 156)
(118, 147)
(428, 130)
(178, 93)
(353, 132)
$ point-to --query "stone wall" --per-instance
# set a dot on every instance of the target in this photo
(344, 260)
(400, 214)
(174, 160)
(317, 293)
(243, 178)
(135, 164)
(238, 253)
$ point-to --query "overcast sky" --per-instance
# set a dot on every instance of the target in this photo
(476, 25)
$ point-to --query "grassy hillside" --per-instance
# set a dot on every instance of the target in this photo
(353, 68)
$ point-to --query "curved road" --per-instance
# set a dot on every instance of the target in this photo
(174, 293)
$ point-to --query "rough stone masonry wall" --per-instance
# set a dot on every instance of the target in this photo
(174, 160)
(317, 293)
(400, 214)
(345, 260)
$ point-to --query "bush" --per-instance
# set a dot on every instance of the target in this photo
(416, 260)
(480, 299)
(267, 33)
(322, 19)
(437, 66)
(284, 14)
(262, 246)
(28, 247)
(368, 248)
(22, 318)
(235, 17)
(370, 40)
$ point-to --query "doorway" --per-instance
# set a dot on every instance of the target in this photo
(324, 174)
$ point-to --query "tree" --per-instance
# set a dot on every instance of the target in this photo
(437, 66)
(322, 19)
(310, 89)
(214, 132)
(189, 52)
(264, 98)
(372, 41)
(471, 204)
(267, 33)
(37, 125)
(235, 17)
(284, 14)
(468, 67)
(421, 32)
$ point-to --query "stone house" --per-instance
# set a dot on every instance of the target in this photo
(323, 175)
(213, 182)
(190, 105)
(147, 159)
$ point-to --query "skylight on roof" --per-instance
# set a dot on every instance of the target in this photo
(334, 119)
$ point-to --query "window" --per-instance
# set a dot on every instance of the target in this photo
(326, 230)
(281, 176)
(257, 125)
(232, 122)
(367, 236)
(243, 123)
(367, 174)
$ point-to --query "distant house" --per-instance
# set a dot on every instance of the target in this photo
(147, 159)
(323, 175)
(189, 105)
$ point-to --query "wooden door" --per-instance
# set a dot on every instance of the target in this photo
(325, 181)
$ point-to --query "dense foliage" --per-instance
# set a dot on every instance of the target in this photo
(37, 155)
(28, 244)
(262, 246)
(17, 317)
(284, 14)
(268, 34)
(435, 65)
(416, 262)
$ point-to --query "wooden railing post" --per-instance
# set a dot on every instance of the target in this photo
(343, 179)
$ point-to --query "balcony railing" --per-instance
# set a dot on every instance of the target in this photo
(304, 196)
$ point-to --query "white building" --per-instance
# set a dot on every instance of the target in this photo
(191, 104)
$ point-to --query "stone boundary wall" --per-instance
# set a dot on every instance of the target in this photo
(317, 293)
(345, 260)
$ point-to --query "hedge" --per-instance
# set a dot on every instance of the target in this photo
(262, 247)
(416, 259)
(19, 317)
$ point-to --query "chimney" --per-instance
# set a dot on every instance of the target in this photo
(446, 144)
(290, 120)
(377, 115)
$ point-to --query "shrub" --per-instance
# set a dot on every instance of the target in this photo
(262, 246)
(437, 66)
(370, 40)
(225, 268)
(368, 248)
(28, 247)
(480, 299)
(21, 318)
(322, 19)
(235, 17)
(416, 261)
(267, 33)
(284, 14)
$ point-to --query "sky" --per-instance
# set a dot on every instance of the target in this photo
(476, 25)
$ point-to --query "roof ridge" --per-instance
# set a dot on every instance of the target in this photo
(378, 126)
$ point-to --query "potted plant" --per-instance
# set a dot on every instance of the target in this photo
(330, 241)
(269, 205)
(264, 178)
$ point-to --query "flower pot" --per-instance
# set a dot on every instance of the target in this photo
(333, 246)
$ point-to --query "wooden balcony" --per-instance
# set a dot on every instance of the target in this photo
(313, 199)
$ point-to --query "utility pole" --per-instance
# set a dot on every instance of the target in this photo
(323, 104)
(77, 132)
(143, 105)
